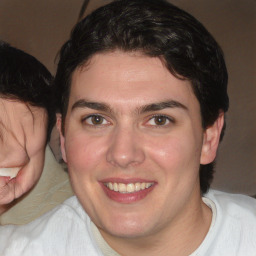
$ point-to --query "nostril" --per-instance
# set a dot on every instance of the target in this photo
(125, 156)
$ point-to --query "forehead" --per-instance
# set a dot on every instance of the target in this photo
(123, 77)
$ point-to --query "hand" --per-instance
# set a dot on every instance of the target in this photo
(7, 192)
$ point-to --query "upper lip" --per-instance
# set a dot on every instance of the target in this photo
(126, 180)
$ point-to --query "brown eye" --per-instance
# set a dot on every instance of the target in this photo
(160, 120)
(96, 120)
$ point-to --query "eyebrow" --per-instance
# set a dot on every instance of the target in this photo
(162, 105)
(92, 105)
(82, 103)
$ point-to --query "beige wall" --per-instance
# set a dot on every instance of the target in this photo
(41, 26)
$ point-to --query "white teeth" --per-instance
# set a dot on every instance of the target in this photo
(9, 172)
(111, 186)
(147, 185)
(115, 187)
(137, 186)
(128, 188)
(121, 187)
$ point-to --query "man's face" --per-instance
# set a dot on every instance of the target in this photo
(23, 131)
(133, 143)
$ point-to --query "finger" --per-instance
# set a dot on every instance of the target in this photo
(7, 191)
(4, 180)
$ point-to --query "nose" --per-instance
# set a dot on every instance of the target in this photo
(12, 153)
(125, 148)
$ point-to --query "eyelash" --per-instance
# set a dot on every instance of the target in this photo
(85, 120)
(167, 119)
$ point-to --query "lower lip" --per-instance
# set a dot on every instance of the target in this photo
(127, 198)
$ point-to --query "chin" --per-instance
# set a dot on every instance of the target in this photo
(126, 227)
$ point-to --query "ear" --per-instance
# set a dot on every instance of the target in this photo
(62, 138)
(211, 140)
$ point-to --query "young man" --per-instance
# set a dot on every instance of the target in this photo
(142, 90)
(26, 120)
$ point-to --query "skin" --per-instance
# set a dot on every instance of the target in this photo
(144, 127)
(23, 131)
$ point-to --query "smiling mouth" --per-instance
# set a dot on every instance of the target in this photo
(128, 188)
(9, 172)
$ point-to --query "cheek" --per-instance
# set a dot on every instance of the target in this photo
(175, 154)
(83, 153)
(166, 153)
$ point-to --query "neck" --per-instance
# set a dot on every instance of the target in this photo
(181, 236)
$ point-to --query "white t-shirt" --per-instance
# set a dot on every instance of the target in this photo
(67, 230)
(233, 227)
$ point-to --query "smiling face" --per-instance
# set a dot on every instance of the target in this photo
(23, 130)
(133, 143)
